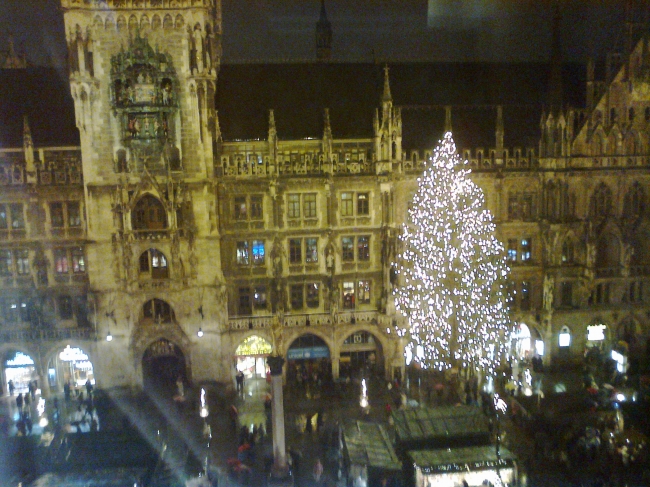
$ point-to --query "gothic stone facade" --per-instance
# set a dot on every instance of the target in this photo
(156, 227)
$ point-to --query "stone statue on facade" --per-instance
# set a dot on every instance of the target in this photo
(549, 285)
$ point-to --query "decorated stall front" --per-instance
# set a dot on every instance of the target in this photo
(370, 458)
(478, 466)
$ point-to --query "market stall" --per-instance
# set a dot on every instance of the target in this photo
(441, 427)
(370, 458)
(478, 466)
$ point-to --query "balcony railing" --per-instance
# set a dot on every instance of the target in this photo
(28, 335)
(312, 319)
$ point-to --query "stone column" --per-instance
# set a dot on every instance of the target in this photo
(336, 368)
(277, 411)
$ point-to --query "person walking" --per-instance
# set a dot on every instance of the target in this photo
(318, 470)
(67, 391)
(240, 381)
(12, 387)
(19, 404)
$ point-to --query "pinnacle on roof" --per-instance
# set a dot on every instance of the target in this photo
(386, 96)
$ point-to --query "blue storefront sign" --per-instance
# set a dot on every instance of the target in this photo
(308, 353)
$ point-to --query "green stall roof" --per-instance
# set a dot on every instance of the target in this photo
(447, 460)
(368, 444)
(424, 424)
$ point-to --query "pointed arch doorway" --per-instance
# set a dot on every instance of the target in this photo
(163, 363)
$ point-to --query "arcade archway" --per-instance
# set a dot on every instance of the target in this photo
(308, 359)
(361, 354)
(71, 365)
(20, 369)
(525, 343)
(250, 356)
(163, 363)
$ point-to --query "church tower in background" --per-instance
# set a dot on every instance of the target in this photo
(323, 36)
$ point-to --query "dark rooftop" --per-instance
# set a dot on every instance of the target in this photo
(43, 94)
(299, 93)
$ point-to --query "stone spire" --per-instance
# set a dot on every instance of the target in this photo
(447, 119)
(28, 147)
(499, 129)
(323, 36)
(386, 97)
(327, 132)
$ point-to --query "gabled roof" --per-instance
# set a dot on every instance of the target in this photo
(43, 94)
(298, 92)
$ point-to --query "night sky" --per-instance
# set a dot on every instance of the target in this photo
(429, 30)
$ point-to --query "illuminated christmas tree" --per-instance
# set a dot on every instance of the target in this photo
(452, 270)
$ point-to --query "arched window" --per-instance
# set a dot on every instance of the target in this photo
(158, 311)
(149, 214)
(153, 263)
(634, 204)
(567, 251)
(601, 202)
(551, 201)
(630, 114)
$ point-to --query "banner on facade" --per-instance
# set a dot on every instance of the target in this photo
(308, 353)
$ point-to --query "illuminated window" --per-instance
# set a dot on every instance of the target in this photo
(564, 338)
(4, 220)
(526, 249)
(74, 214)
(259, 297)
(6, 263)
(242, 253)
(524, 299)
(154, 263)
(347, 204)
(158, 310)
(567, 252)
(61, 261)
(596, 333)
(257, 211)
(512, 250)
(363, 205)
(258, 252)
(311, 250)
(22, 262)
(17, 216)
(347, 249)
(249, 207)
(363, 248)
(363, 289)
(348, 295)
(313, 297)
(241, 208)
(78, 261)
(296, 250)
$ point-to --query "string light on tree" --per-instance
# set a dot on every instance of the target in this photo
(452, 270)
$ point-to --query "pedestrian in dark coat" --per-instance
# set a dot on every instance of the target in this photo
(19, 402)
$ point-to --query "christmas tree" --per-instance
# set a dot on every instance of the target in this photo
(452, 270)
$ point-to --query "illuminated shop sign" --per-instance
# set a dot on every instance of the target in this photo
(19, 360)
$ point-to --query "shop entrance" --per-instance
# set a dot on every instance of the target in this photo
(20, 369)
(308, 360)
(361, 355)
(71, 365)
(251, 356)
(163, 364)
(522, 343)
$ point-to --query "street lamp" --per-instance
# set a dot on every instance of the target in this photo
(499, 406)
(204, 412)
